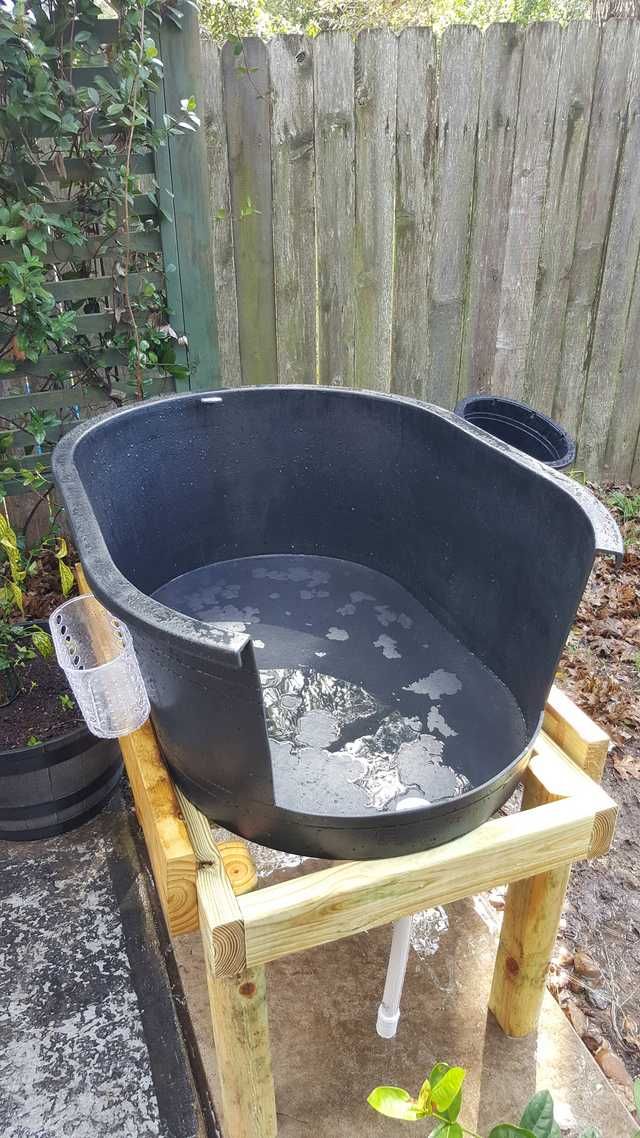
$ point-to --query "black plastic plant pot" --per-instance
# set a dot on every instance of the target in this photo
(520, 426)
(348, 607)
(56, 785)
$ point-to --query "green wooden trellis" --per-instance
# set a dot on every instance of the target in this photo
(177, 230)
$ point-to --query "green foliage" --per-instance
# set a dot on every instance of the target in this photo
(66, 702)
(48, 122)
(538, 1117)
(20, 641)
(33, 741)
(231, 19)
(440, 1098)
(628, 504)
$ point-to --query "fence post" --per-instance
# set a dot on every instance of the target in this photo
(190, 249)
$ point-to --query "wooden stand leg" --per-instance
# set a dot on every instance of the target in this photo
(529, 928)
(238, 1003)
(241, 1036)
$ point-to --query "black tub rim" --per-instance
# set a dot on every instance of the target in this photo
(480, 400)
(194, 637)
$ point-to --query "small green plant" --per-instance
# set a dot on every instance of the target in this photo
(628, 504)
(19, 642)
(33, 741)
(440, 1098)
(66, 702)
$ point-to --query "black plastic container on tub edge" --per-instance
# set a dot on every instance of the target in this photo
(520, 426)
(57, 785)
(500, 546)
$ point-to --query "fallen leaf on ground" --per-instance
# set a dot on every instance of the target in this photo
(585, 965)
(626, 766)
(576, 1017)
(612, 1066)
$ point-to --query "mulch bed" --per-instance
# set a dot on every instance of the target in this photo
(37, 713)
(596, 975)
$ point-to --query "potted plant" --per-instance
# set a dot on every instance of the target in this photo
(54, 774)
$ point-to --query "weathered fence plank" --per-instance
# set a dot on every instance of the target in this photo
(182, 72)
(598, 186)
(581, 41)
(224, 268)
(501, 67)
(624, 431)
(416, 124)
(614, 296)
(534, 131)
(335, 206)
(457, 131)
(375, 112)
(293, 173)
(433, 231)
(246, 96)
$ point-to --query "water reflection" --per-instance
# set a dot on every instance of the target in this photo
(331, 738)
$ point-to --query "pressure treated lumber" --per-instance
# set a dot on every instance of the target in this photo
(577, 734)
(238, 862)
(243, 1054)
(534, 906)
(529, 928)
(238, 1015)
(356, 896)
(170, 852)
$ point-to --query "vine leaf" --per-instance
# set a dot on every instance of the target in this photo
(447, 1089)
(394, 1102)
(538, 1116)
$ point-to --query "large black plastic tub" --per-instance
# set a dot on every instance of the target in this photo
(348, 607)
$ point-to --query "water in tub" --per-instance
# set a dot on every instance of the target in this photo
(369, 699)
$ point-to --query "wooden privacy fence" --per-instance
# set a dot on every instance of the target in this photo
(435, 218)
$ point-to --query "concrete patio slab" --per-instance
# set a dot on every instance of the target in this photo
(90, 1041)
(327, 1056)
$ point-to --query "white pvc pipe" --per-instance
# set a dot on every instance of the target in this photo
(389, 1010)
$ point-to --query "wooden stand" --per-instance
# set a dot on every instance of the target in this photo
(565, 816)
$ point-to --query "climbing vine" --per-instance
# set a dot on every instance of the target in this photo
(70, 134)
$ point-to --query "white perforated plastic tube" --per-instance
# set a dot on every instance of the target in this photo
(389, 1009)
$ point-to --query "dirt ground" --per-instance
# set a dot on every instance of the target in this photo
(596, 976)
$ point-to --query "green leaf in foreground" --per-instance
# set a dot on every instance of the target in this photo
(447, 1089)
(506, 1130)
(538, 1116)
(395, 1103)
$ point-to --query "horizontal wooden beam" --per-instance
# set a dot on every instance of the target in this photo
(81, 288)
(577, 734)
(559, 777)
(143, 206)
(355, 896)
(80, 170)
(142, 241)
(11, 405)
